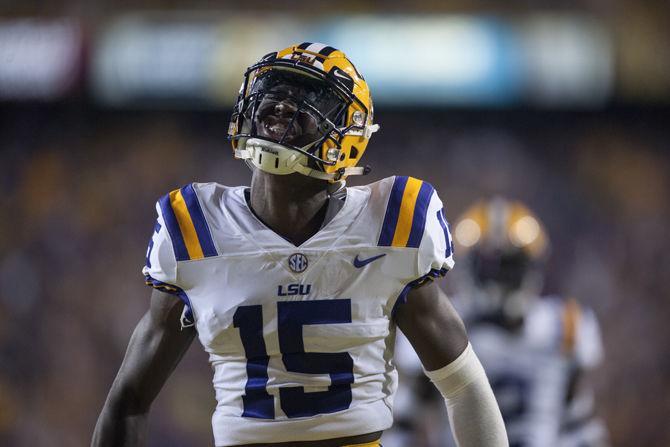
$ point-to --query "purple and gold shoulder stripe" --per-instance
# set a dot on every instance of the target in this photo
(186, 224)
(447, 233)
(405, 218)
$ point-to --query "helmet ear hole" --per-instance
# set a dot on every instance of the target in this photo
(354, 152)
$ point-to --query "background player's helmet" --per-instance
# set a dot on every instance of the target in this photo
(504, 247)
(303, 109)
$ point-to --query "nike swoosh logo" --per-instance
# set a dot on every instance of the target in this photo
(358, 263)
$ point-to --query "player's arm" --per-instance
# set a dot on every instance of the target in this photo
(156, 346)
(438, 336)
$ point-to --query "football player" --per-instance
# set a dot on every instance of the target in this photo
(295, 285)
(536, 350)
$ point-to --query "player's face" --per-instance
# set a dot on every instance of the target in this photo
(504, 270)
(280, 119)
(295, 111)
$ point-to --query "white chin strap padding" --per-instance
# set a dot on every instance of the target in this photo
(277, 159)
(270, 157)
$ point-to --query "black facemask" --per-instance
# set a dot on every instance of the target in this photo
(292, 109)
(506, 269)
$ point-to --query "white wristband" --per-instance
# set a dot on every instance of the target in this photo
(458, 374)
(473, 411)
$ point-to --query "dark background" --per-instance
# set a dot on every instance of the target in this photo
(79, 178)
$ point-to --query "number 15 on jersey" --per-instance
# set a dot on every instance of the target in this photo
(294, 401)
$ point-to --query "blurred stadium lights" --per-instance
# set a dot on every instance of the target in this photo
(432, 60)
(39, 59)
(560, 60)
(443, 60)
(144, 60)
(198, 60)
(569, 60)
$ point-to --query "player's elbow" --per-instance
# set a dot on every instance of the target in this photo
(451, 325)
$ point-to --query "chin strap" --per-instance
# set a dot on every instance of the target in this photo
(242, 154)
(293, 162)
(370, 129)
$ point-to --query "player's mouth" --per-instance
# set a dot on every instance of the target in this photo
(276, 128)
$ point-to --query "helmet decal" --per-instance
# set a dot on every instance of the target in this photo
(343, 77)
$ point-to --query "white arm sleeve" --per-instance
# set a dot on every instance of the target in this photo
(473, 411)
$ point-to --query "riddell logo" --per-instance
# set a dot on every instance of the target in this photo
(272, 151)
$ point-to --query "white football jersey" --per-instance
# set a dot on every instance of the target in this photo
(530, 370)
(300, 338)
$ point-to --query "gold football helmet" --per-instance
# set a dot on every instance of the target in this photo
(504, 247)
(303, 109)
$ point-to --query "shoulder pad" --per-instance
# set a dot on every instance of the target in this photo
(405, 217)
(414, 218)
(160, 267)
(581, 334)
(186, 224)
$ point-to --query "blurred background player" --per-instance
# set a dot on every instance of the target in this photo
(536, 349)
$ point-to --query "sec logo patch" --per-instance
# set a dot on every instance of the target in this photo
(297, 262)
